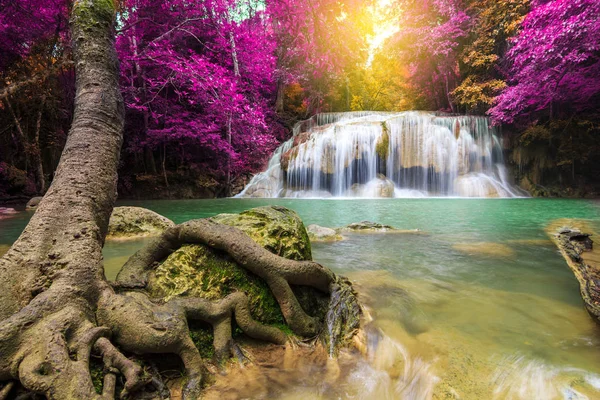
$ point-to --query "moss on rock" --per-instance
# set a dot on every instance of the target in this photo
(383, 143)
(196, 270)
(134, 222)
(277, 229)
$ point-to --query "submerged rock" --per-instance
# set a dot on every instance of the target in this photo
(573, 239)
(318, 233)
(485, 248)
(6, 212)
(367, 226)
(375, 227)
(135, 222)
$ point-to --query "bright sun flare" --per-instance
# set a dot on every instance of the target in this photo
(384, 27)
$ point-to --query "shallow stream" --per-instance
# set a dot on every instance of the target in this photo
(477, 305)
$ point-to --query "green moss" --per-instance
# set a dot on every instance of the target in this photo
(197, 270)
(91, 13)
(202, 336)
(383, 143)
(277, 229)
(97, 374)
(132, 222)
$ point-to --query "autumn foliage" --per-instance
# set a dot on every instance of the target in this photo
(213, 86)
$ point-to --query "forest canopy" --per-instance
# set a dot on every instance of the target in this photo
(212, 87)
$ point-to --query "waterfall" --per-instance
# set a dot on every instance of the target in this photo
(387, 154)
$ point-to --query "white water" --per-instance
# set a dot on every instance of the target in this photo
(376, 154)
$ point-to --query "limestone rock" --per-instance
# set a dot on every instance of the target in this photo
(367, 226)
(277, 229)
(135, 222)
(573, 239)
(318, 233)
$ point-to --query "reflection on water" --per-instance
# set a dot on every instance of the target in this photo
(482, 307)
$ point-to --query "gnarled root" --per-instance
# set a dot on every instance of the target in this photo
(47, 345)
(141, 326)
(51, 356)
(277, 272)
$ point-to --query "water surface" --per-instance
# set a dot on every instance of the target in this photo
(478, 305)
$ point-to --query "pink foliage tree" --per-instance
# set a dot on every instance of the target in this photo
(554, 64)
(199, 83)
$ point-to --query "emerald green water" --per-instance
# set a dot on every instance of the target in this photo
(480, 305)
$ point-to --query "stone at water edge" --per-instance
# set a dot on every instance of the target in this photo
(318, 233)
(136, 222)
(573, 239)
(278, 229)
(366, 226)
(33, 203)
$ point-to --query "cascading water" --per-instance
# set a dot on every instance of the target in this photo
(384, 154)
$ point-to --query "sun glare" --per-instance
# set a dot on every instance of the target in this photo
(384, 27)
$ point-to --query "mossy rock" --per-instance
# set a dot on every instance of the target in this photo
(383, 143)
(134, 222)
(278, 229)
(197, 270)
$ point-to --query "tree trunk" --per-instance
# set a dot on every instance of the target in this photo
(37, 150)
(23, 142)
(279, 102)
(52, 277)
(56, 306)
(234, 56)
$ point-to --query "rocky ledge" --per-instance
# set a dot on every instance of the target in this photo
(574, 240)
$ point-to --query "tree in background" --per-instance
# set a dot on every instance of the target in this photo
(199, 87)
(554, 64)
(482, 79)
(317, 42)
(36, 89)
(553, 71)
(429, 42)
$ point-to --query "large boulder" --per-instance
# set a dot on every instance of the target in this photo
(277, 229)
(136, 222)
(197, 270)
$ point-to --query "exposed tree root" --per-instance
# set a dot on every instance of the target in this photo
(276, 271)
(54, 347)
